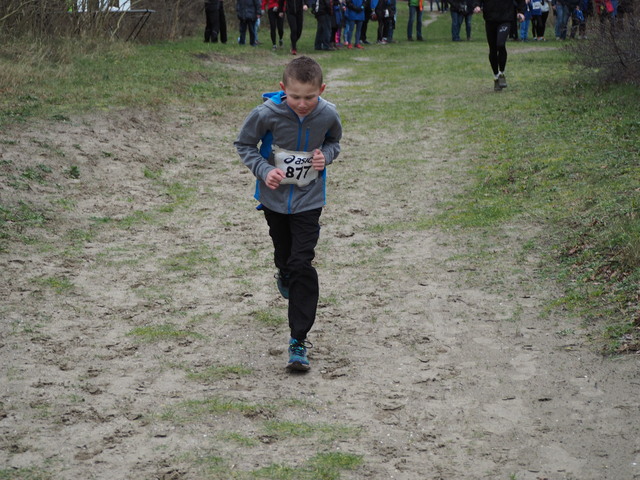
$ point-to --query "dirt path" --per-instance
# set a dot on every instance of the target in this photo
(433, 356)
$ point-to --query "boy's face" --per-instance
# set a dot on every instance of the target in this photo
(302, 98)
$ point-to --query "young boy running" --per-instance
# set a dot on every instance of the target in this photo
(287, 142)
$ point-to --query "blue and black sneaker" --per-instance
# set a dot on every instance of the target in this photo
(298, 360)
(282, 279)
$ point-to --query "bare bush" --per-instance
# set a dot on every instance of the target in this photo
(146, 20)
(612, 49)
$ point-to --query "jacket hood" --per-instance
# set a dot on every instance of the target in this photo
(275, 97)
(276, 100)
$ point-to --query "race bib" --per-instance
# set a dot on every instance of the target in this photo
(296, 166)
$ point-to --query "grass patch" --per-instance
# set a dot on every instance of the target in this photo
(199, 257)
(323, 432)
(198, 410)
(218, 372)
(20, 216)
(31, 473)
(181, 196)
(159, 333)
(238, 439)
(58, 77)
(60, 285)
(129, 255)
(138, 217)
(269, 318)
(574, 172)
(323, 466)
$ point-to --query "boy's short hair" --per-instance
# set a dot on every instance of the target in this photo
(304, 70)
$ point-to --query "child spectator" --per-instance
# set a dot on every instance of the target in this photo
(287, 142)
(355, 17)
(579, 19)
(539, 15)
(385, 12)
(294, 9)
(323, 12)
(337, 23)
(276, 21)
(524, 25)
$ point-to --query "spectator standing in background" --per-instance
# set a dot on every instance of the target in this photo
(276, 21)
(539, 16)
(524, 25)
(385, 11)
(216, 26)
(368, 13)
(294, 10)
(323, 12)
(626, 10)
(355, 17)
(461, 11)
(337, 23)
(579, 19)
(415, 13)
(563, 9)
(248, 11)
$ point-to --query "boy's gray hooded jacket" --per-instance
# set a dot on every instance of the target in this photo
(275, 123)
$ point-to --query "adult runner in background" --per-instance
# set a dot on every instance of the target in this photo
(498, 17)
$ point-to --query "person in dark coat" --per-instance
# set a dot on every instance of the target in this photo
(563, 10)
(461, 11)
(294, 9)
(248, 12)
(216, 27)
(323, 11)
(498, 16)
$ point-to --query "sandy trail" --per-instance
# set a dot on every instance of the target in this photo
(433, 357)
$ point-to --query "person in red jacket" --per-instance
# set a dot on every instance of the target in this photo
(498, 17)
(276, 20)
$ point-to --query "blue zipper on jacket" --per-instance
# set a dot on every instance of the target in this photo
(298, 147)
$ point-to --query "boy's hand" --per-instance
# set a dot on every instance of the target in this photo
(318, 162)
(274, 177)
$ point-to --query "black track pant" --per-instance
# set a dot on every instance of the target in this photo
(497, 34)
(295, 21)
(276, 22)
(295, 238)
(216, 22)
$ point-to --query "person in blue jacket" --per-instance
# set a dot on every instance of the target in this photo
(287, 143)
(498, 17)
(524, 25)
(355, 17)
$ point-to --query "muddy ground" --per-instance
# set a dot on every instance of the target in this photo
(142, 335)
